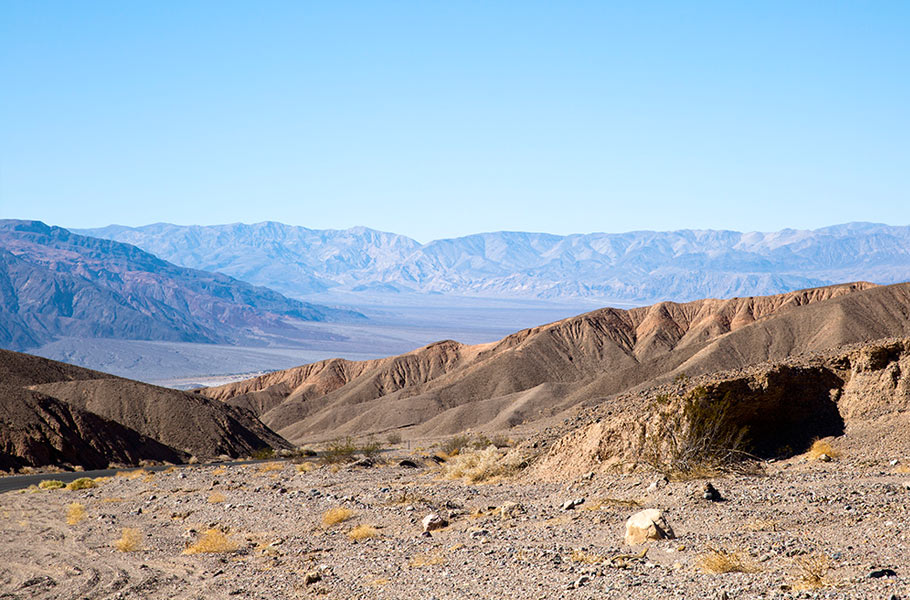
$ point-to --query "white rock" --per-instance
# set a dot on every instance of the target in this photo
(648, 524)
(433, 521)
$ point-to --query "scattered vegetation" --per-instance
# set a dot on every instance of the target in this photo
(820, 448)
(408, 497)
(481, 465)
(811, 571)
(371, 448)
(333, 516)
(51, 484)
(83, 483)
(340, 450)
(761, 525)
(212, 541)
(130, 540)
(718, 560)
(427, 560)
(580, 556)
(263, 453)
(692, 434)
(75, 512)
(269, 467)
(362, 532)
(463, 441)
(393, 439)
(305, 467)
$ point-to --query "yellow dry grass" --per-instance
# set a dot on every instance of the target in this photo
(427, 560)
(272, 466)
(51, 484)
(133, 474)
(216, 498)
(130, 540)
(811, 571)
(305, 467)
(75, 512)
(363, 532)
(476, 466)
(219, 471)
(213, 541)
(587, 558)
(333, 516)
(761, 525)
(719, 560)
(83, 483)
(820, 447)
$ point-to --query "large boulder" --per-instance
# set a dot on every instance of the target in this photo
(648, 524)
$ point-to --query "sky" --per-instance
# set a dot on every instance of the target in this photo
(440, 119)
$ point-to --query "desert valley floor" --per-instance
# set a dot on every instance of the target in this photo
(802, 529)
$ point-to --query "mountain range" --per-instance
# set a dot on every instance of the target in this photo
(54, 283)
(636, 267)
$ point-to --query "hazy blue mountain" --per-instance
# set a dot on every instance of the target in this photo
(54, 283)
(637, 266)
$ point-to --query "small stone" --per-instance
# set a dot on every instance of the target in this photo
(410, 464)
(657, 484)
(709, 492)
(824, 458)
(648, 524)
(311, 577)
(879, 573)
(571, 504)
(432, 522)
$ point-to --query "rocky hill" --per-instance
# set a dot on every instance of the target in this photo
(54, 283)
(57, 414)
(636, 267)
(539, 373)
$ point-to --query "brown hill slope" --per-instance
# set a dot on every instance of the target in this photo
(56, 414)
(537, 373)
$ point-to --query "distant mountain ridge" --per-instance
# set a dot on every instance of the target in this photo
(639, 266)
(54, 283)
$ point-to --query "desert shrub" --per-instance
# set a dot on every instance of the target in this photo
(130, 540)
(455, 444)
(51, 484)
(83, 483)
(362, 532)
(211, 542)
(427, 560)
(811, 571)
(75, 512)
(305, 467)
(476, 466)
(718, 560)
(270, 467)
(820, 447)
(371, 448)
(263, 453)
(692, 433)
(580, 556)
(333, 516)
(393, 439)
(340, 450)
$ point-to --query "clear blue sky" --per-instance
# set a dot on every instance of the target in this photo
(437, 119)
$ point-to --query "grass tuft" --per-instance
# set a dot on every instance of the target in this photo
(363, 532)
(216, 498)
(333, 516)
(269, 467)
(426, 560)
(820, 447)
(75, 512)
(51, 484)
(130, 540)
(480, 465)
(83, 483)
(718, 561)
(213, 541)
(811, 571)
(305, 467)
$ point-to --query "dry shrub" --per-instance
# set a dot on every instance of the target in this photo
(427, 560)
(362, 532)
(761, 525)
(212, 541)
(811, 571)
(269, 467)
(216, 498)
(51, 484)
(305, 467)
(480, 465)
(718, 560)
(83, 483)
(692, 435)
(340, 450)
(580, 556)
(130, 540)
(408, 497)
(133, 474)
(333, 516)
(219, 471)
(820, 447)
(75, 512)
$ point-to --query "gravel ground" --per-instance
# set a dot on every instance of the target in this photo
(846, 520)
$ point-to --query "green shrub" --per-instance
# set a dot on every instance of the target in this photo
(340, 450)
(263, 453)
(83, 483)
